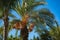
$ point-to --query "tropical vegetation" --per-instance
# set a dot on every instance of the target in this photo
(31, 20)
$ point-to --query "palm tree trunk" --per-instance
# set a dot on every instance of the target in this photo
(24, 33)
(6, 10)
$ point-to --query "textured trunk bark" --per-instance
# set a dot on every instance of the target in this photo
(24, 33)
(6, 23)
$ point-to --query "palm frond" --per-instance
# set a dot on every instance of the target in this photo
(44, 16)
(47, 12)
(18, 9)
(10, 3)
(11, 15)
(30, 7)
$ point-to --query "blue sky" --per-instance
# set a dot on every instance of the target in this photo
(53, 6)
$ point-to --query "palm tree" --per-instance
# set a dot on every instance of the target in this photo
(39, 18)
(24, 10)
(5, 6)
